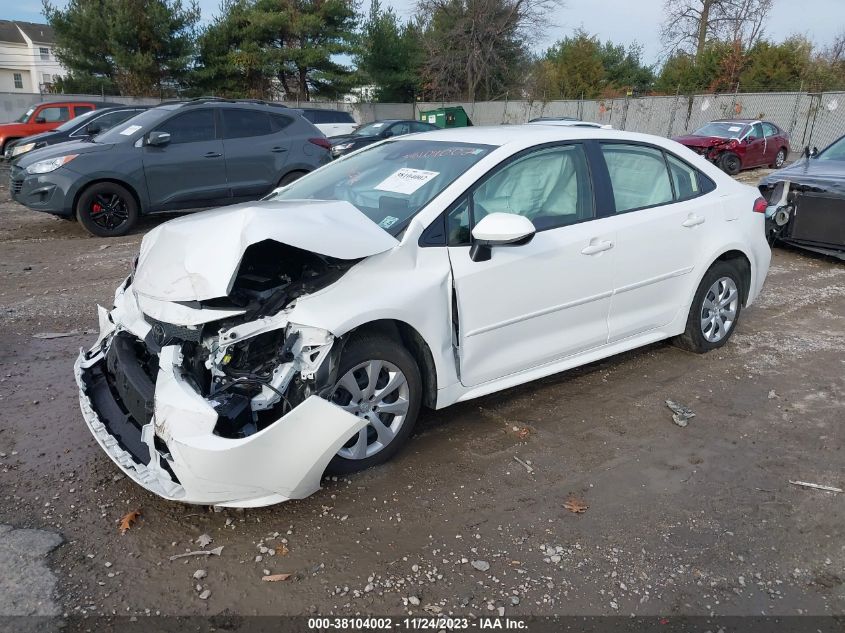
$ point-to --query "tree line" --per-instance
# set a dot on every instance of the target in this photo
(469, 50)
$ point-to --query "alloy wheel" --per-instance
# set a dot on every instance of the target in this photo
(377, 391)
(719, 309)
(781, 156)
(108, 211)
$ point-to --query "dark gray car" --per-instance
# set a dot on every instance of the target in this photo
(176, 156)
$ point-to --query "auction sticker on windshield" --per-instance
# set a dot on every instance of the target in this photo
(406, 180)
(131, 130)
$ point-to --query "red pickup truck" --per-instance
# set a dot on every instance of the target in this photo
(43, 117)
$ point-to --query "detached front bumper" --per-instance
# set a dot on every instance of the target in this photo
(160, 432)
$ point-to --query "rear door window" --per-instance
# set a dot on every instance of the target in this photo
(190, 127)
(684, 179)
(279, 122)
(770, 129)
(638, 176)
(54, 114)
(245, 123)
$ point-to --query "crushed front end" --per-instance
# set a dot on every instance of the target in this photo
(220, 401)
(806, 212)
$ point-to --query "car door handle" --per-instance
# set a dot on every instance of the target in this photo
(213, 155)
(279, 150)
(693, 220)
(597, 247)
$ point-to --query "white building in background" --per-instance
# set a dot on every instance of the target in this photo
(361, 94)
(27, 61)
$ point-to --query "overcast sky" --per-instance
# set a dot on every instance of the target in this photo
(622, 21)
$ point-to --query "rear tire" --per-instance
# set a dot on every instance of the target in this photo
(780, 158)
(107, 209)
(730, 163)
(715, 310)
(375, 373)
(290, 177)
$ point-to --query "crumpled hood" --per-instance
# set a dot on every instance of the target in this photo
(690, 140)
(196, 257)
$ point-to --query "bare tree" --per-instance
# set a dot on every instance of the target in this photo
(690, 24)
(743, 22)
(477, 47)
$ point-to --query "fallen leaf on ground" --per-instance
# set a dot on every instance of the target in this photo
(275, 577)
(203, 540)
(282, 550)
(576, 505)
(128, 519)
(523, 433)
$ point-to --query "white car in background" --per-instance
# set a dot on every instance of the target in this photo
(330, 122)
(256, 346)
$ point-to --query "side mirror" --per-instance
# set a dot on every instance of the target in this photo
(386, 134)
(40, 119)
(92, 128)
(810, 153)
(499, 229)
(157, 139)
(750, 138)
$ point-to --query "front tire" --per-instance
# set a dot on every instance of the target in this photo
(730, 163)
(378, 379)
(714, 311)
(107, 209)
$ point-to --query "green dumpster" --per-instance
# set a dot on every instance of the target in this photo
(454, 116)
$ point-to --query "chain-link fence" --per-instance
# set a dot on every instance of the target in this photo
(809, 118)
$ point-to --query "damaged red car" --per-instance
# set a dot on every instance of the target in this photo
(736, 144)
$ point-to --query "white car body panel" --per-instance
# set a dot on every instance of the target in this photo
(570, 296)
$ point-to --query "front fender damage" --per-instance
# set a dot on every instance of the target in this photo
(229, 423)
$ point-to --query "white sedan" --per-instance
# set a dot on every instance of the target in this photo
(254, 347)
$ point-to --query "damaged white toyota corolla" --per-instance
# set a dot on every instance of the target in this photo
(256, 346)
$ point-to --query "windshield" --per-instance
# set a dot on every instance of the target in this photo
(834, 151)
(122, 132)
(721, 129)
(76, 121)
(25, 116)
(390, 182)
(371, 129)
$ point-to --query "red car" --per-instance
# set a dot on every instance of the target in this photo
(43, 117)
(735, 144)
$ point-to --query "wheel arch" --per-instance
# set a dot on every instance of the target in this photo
(741, 262)
(413, 341)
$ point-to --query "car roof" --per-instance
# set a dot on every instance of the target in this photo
(740, 121)
(502, 135)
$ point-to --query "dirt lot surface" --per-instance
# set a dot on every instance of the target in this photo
(695, 520)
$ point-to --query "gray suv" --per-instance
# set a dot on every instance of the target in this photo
(201, 153)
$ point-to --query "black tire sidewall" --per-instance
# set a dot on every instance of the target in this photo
(366, 348)
(726, 159)
(692, 337)
(290, 177)
(84, 204)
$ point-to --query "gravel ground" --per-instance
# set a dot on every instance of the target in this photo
(471, 518)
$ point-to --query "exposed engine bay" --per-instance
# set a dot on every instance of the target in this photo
(807, 215)
(256, 367)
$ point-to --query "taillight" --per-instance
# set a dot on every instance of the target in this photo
(760, 205)
(320, 142)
